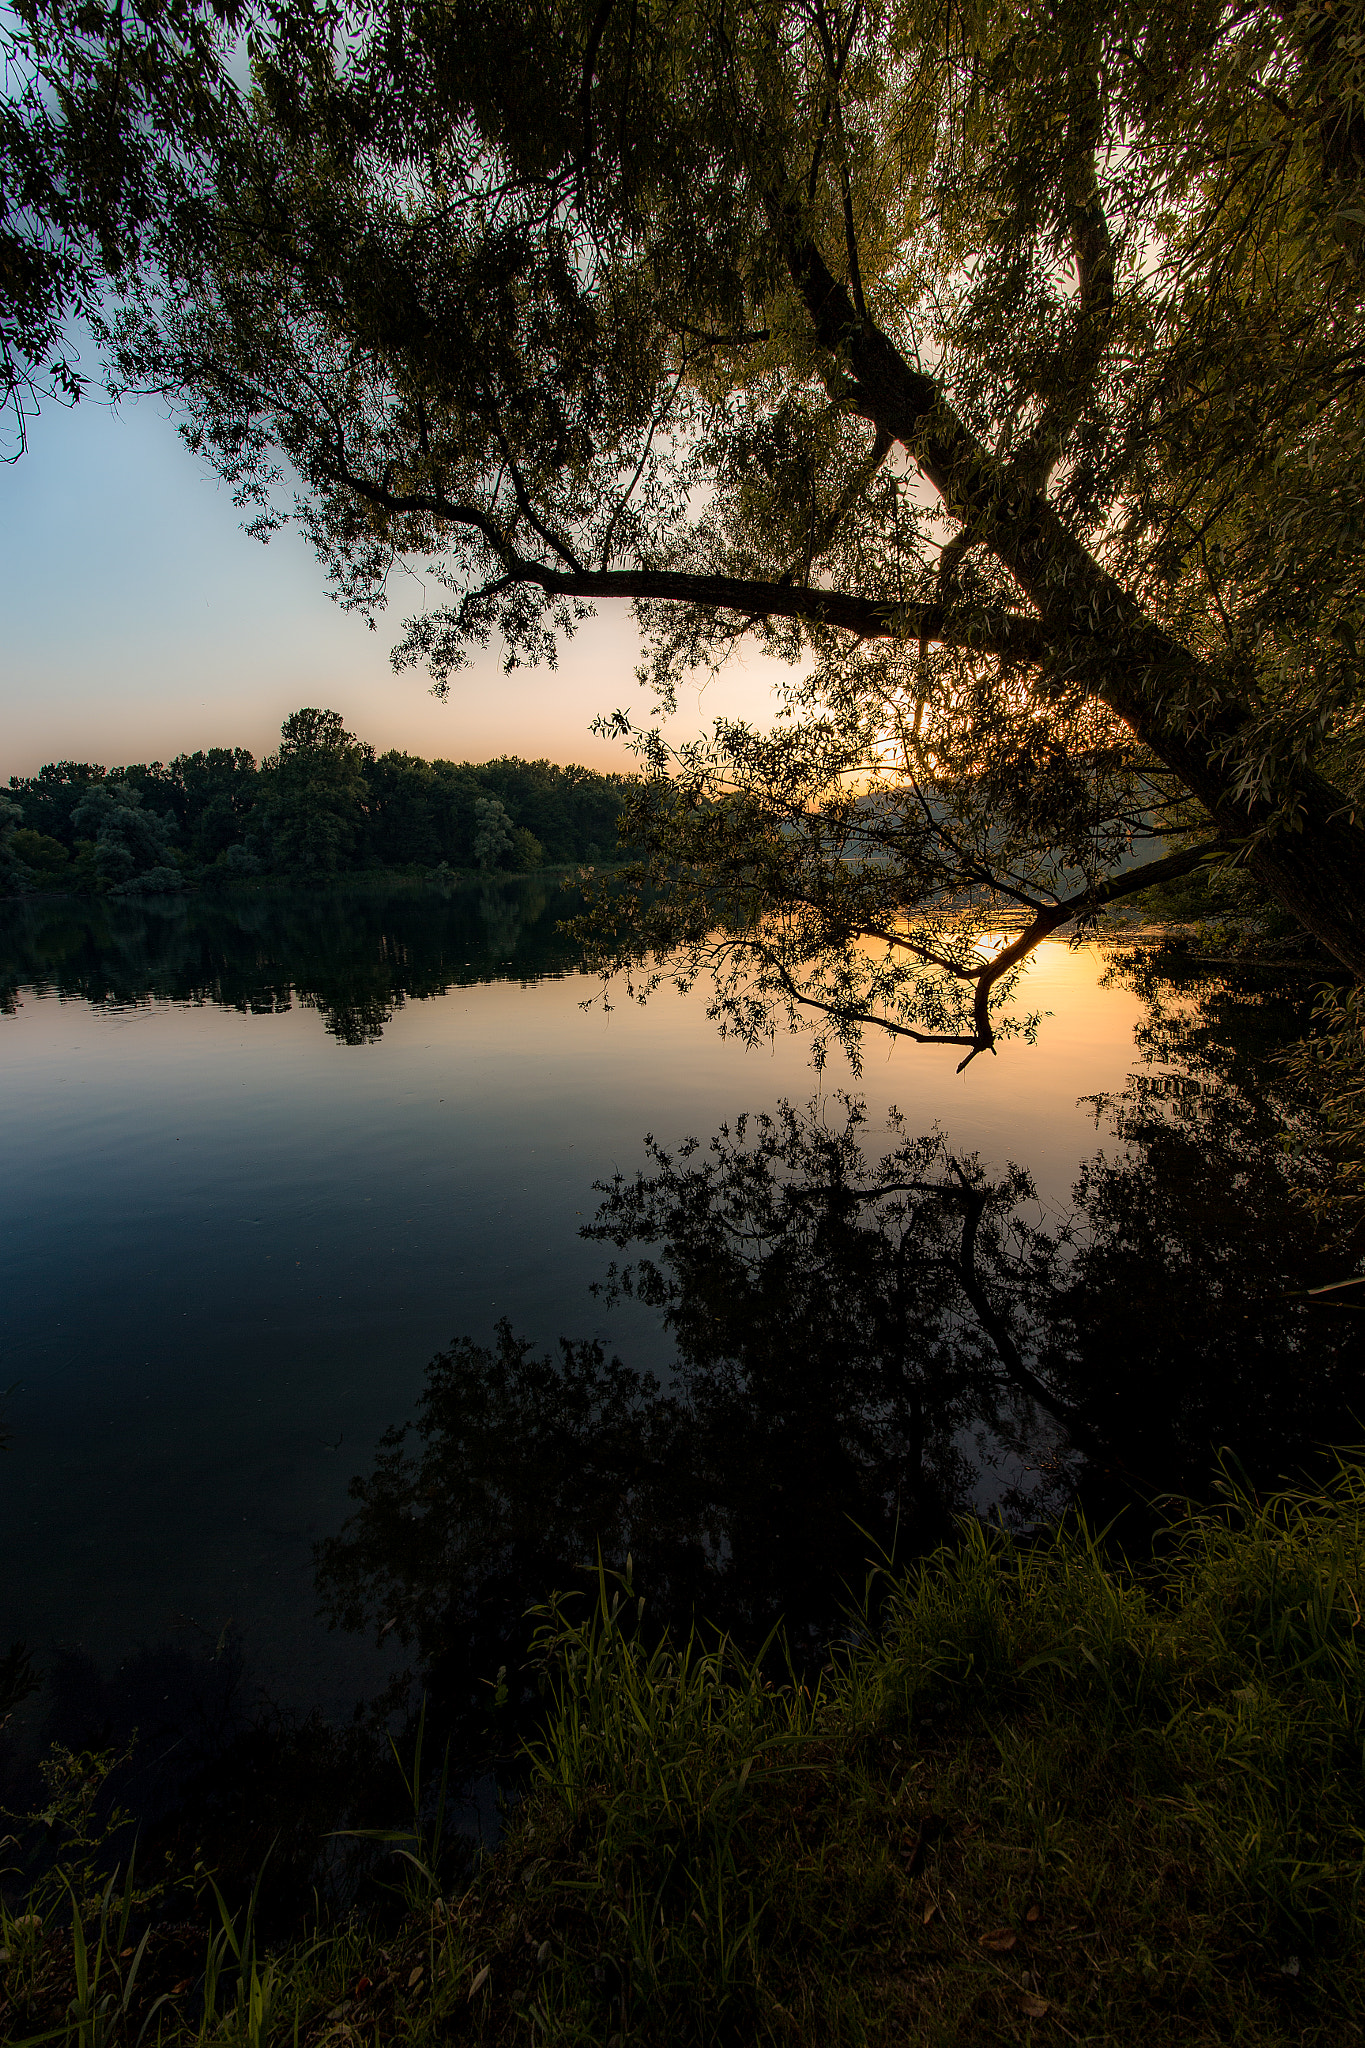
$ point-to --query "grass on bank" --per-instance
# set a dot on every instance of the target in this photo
(1049, 1799)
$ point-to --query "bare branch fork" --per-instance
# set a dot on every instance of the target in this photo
(1049, 918)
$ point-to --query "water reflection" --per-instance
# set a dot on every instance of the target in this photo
(834, 1387)
(873, 1335)
(355, 955)
(227, 1257)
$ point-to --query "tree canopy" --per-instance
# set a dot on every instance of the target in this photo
(998, 365)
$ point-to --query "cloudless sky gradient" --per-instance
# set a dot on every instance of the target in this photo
(141, 622)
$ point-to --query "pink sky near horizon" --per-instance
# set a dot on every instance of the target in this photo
(141, 622)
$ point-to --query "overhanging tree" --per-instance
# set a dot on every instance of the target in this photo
(999, 365)
(108, 109)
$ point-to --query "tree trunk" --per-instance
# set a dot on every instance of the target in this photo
(1306, 849)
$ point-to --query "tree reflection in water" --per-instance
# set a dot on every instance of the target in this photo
(355, 954)
(1182, 1322)
(829, 1366)
(871, 1342)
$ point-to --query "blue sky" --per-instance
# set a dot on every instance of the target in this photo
(140, 622)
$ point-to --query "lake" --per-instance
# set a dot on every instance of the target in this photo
(266, 1157)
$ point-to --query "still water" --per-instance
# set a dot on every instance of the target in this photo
(263, 1161)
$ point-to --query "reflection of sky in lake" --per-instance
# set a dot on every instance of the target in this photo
(229, 1241)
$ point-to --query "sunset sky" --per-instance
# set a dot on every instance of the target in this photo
(140, 622)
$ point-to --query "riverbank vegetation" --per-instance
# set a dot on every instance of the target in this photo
(322, 805)
(1035, 1793)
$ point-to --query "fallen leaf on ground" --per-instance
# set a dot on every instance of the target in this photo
(1033, 2006)
(415, 1976)
(930, 1911)
(480, 1980)
(1000, 1939)
(1033, 1915)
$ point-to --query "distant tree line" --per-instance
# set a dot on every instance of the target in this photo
(322, 804)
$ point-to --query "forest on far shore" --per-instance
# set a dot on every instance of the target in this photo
(322, 804)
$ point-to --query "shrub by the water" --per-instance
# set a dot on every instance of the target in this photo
(1046, 1797)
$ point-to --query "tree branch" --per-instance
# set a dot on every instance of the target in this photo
(834, 65)
(1013, 636)
(532, 517)
(821, 539)
(1048, 920)
(887, 1024)
(595, 34)
(1093, 251)
(1057, 914)
(626, 496)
